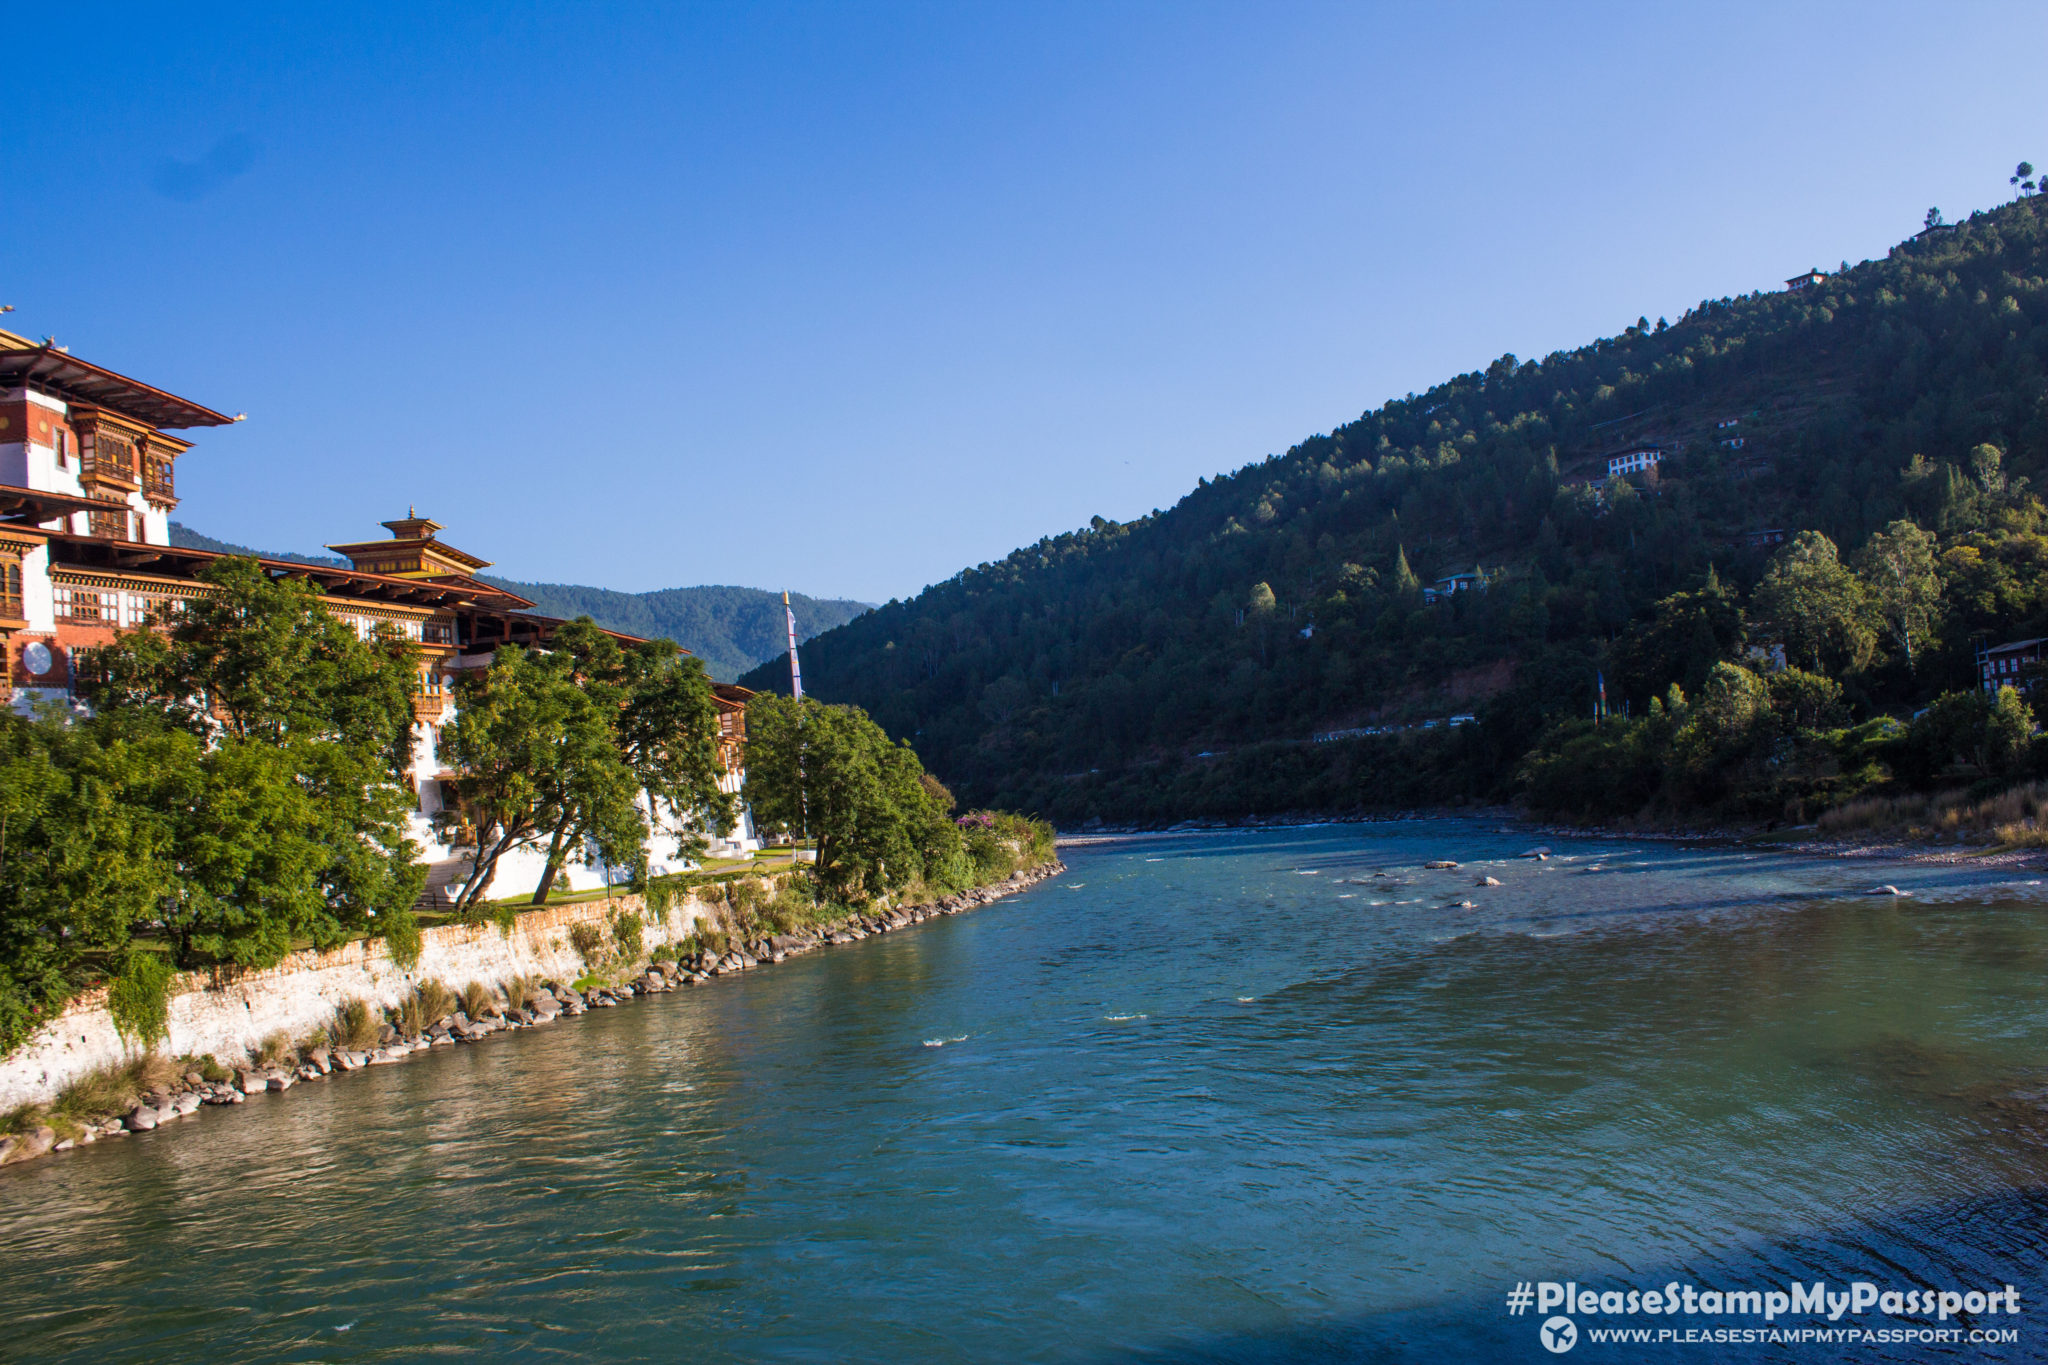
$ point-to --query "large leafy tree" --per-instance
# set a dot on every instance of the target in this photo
(260, 657)
(830, 772)
(1689, 633)
(1816, 606)
(1898, 566)
(666, 726)
(86, 852)
(288, 825)
(538, 752)
(668, 735)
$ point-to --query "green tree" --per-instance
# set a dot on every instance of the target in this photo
(85, 854)
(290, 825)
(1897, 565)
(1689, 633)
(668, 735)
(2008, 733)
(260, 657)
(831, 771)
(1987, 462)
(539, 762)
(1730, 703)
(1806, 701)
(1991, 735)
(1405, 580)
(666, 725)
(1813, 603)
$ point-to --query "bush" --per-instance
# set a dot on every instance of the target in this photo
(402, 938)
(104, 1090)
(789, 911)
(276, 1050)
(427, 1006)
(111, 1090)
(437, 1002)
(627, 934)
(520, 991)
(506, 917)
(478, 1001)
(139, 1000)
(354, 1027)
(588, 941)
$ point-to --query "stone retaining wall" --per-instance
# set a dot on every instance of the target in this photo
(229, 1016)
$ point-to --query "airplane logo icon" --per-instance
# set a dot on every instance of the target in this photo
(1558, 1335)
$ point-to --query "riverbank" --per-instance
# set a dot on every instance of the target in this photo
(1877, 846)
(112, 1098)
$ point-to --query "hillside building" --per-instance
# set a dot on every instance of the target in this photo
(87, 486)
(1633, 459)
(1808, 280)
(2008, 665)
(1443, 589)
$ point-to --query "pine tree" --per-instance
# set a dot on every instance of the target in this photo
(1404, 577)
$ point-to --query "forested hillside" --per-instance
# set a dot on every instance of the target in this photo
(187, 538)
(730, 629)
(1179, 664)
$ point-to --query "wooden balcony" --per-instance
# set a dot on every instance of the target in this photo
(110, 523)
(159, 484)
(114, 468)
(429, 708)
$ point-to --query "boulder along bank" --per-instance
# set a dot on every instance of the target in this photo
(303, 989)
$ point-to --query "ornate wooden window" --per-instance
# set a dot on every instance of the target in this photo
(109, 521)
(438, 632)
(80, 604)
(10, 584)
(112, 453)
(158, 481)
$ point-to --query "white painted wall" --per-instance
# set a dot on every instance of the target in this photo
(302, 993)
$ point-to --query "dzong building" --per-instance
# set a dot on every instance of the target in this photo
(88, 482)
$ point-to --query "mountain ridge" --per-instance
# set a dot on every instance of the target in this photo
(730, 628)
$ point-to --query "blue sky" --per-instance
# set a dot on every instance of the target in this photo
(843, 298)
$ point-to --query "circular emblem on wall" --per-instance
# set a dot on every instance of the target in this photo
(36, 658)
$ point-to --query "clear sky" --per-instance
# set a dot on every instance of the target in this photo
(843, 298)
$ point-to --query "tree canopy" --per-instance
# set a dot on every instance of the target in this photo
(831, 774)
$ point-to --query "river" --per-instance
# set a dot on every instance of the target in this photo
(1212, 1097)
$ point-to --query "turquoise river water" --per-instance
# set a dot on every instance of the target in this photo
(1221, 1097)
